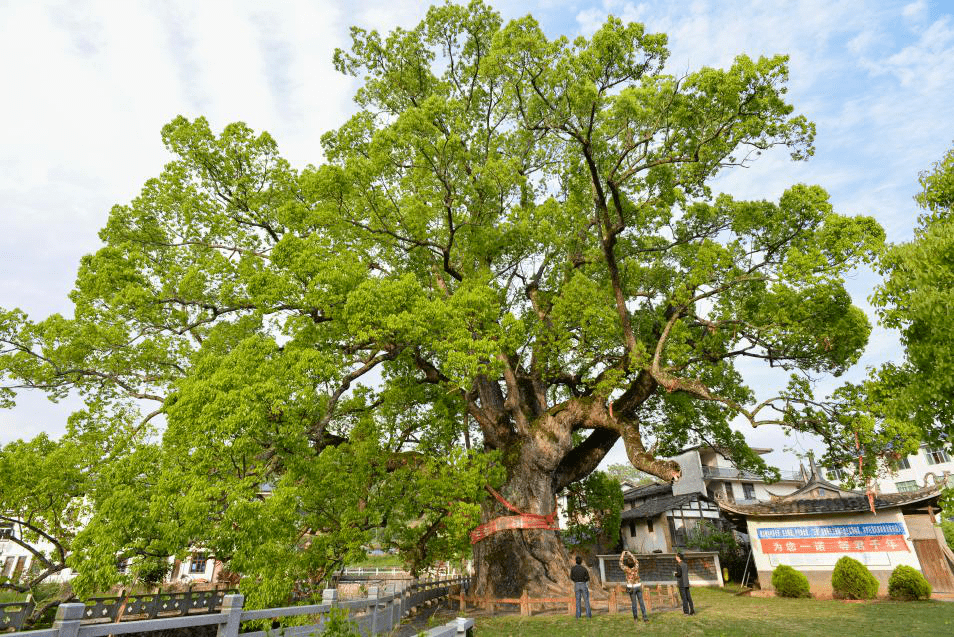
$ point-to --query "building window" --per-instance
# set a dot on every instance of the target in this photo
(679, 537)
(904, 463)
(6, 530)
(748, 489)
(936, 456)
(649, 525)
(198, 562)
(632, 528)
(836, 475)
(907, 485)
(729, 493)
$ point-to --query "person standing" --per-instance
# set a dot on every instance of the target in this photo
(682, 578)
(633, 584)
(580, 577)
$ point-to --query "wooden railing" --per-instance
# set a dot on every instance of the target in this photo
(662, 596)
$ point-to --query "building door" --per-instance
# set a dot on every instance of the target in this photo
(18, 570)
(934, 565)
(930, 552)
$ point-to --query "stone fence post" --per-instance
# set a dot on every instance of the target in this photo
(232, 608)
(68, 618)
(373, 595)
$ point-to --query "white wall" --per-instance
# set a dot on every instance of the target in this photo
(812, 561)
(13, 550)
(763, 492)
(921, 472)
(646, 541)
(185, 575)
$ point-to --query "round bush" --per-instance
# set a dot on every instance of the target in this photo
(852, 580)
(908, 583)
(788, 582)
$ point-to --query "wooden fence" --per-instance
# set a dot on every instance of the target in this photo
(661, 596)
(373, 615)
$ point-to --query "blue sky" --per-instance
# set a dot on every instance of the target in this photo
(88, 85)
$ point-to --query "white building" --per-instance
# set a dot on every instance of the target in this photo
(929, 466)
(16, 561)
(658, 517)
(198, 568)
(812, 528)
(656, 520)
(724, 482)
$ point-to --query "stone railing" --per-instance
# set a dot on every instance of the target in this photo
(377, 614)
(126, 607)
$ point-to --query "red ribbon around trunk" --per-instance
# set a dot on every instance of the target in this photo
(520, 521)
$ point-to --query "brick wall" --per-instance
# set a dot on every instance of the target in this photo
(659, 568)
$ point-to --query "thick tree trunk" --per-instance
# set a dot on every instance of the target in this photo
(540, 458)
(509, 562)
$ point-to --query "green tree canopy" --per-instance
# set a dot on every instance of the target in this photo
(511, 259)
(51, 488)
(916, 299)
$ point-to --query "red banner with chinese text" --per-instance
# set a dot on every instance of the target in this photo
(864, 544)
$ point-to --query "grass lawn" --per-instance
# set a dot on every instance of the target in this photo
(378, 561)
(719, 612)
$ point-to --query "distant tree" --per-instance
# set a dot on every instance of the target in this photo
(628, 473)
(42, 494)
(917, 298)
(50, 490)
(593, 512)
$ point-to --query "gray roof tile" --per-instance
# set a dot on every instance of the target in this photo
(805, 506)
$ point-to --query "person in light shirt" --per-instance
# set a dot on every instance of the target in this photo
(634, 586)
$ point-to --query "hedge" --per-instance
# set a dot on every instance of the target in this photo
(852, 580)
(908, 583)
(788, 582)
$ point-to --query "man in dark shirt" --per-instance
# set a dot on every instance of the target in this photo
(682, 578)
(580, 577)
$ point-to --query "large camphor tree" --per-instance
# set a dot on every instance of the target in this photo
(511, 259)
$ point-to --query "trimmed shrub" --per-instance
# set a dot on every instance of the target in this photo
(908, 583)
(852, 580)
(788, 582)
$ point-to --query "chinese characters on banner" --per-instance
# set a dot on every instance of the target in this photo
(840, 538)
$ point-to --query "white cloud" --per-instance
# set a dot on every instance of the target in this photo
(915, 10)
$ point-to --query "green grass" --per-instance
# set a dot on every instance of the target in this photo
(8, 596)
(378, 561)
(719, 612)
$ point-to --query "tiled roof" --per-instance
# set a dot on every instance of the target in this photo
(804, 506)
(648, 490)
(654, 507)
